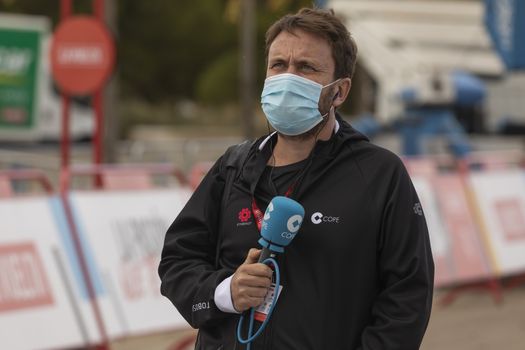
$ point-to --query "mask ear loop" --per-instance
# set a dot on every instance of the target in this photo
(333, 98)
(332, 106)
(316, 137)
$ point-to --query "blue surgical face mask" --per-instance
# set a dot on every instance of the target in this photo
(290, 103)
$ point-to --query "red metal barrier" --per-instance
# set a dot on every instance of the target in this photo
(6, 189)
(129, 176)
(446, 171)
(492, 284)
(27, 175)
(105, 172)
(496, 160)
(64, 180)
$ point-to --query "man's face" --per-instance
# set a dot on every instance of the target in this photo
(307, 55)
(303, 54)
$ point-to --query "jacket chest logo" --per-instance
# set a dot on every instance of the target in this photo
(320, 218)
(244, 217)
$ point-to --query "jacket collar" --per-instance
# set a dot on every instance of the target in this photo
(265, 141)
(322, 152)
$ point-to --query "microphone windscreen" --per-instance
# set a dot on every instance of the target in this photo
(282, 219)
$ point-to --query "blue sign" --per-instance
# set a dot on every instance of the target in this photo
(505, 21)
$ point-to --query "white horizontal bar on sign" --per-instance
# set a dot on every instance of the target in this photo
(430, 10)
(484, 62)
(38, 23)
(472, 35)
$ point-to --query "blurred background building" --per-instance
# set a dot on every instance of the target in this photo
(187, 71)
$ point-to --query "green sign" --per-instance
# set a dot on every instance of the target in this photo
(19, 55)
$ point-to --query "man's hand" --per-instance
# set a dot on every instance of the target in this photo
(250, 282)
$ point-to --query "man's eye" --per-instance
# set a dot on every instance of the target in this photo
(276, 65)
(308, 68)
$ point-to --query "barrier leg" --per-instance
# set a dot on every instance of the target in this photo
(493, 286)
(515, 281)
(85, 272)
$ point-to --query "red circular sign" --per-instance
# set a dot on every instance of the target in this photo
(82, 55)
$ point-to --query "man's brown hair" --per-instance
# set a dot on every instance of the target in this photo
(326, 25)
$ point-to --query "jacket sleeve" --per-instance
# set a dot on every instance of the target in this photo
(187, 267)
(402, 308)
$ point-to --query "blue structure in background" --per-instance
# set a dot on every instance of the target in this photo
(420, 123)
(423, 120)
(367, 125)
(505, 21)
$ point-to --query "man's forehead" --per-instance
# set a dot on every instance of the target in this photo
(301, 43)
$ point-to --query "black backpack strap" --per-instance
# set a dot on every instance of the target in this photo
(233, 160)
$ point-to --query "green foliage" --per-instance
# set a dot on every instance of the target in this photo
(188, 49)
(219, 82)
(165, 45)
(169, 50)
(51, 9)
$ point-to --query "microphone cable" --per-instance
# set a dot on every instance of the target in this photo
(251, 337)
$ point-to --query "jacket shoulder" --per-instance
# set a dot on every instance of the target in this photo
(234, 155)
(371, 154)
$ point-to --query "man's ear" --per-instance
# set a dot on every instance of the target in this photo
(343, 88)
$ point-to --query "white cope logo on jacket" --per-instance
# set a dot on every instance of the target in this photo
(318, 218)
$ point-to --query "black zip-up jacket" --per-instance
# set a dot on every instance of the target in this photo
(359, 274)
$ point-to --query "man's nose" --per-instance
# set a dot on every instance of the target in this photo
(290, 65)
(292, 69)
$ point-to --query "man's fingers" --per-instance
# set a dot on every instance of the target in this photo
(247, 280)
(245, 303)
(250, 282)
(253, 292)
(257, 270)
(252, 267)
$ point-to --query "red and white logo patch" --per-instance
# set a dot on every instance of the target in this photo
(244, 217)
(23, 282)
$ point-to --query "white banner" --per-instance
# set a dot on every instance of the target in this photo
(37, 307)
(124, 233)
(439, 238)
(501, 199)
(459, 255)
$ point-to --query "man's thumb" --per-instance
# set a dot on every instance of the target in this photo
(253, 256)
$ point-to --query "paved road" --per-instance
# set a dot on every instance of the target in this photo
(475, 322)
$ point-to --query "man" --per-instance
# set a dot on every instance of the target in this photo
(359, 274)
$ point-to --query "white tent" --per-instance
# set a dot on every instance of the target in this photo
(407, 43)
